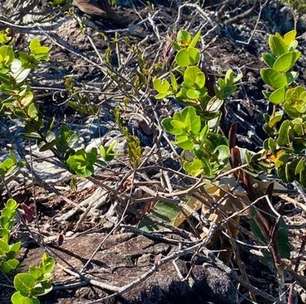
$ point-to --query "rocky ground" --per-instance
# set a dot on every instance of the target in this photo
(93, 226)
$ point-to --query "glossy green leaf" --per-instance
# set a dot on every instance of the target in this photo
(290, 39)
(172, 126)
(295, 101)
(277, 45)
(6, 55)
(277, 96)
(194, 168)
(195, 39)
(187, 57)
(24, 283)
(284, 133)
(273, 78)
(163, 212)
(8, 164)
(4, 37)
(184, 142)
(300, 166)
(32, 111)
(9, 265)
(286, 61)
(4, 247)
(191, 119)
(66, 139)
(183, 38)
(193, 76)
(275, 118)
(82, 163)
(18, 298)
(161, 85)
(38, 51)
(174, 83)
(269, 59)
(283, 239)
(193, 94)
(108, 153)
(223, 153)
(26, 97)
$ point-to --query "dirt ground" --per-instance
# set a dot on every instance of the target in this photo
(102, 254)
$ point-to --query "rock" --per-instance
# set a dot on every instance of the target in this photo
(122, 259)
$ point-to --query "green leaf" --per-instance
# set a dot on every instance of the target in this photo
(8, 214)
(193, 94)
(161, 85)
(9, 265)
(298, 126)
(4, 247)
(169, 126)
(178, 125)
(283, 239)
(277, 45)
(290, 39)
(24, 283)
(195, 40)
(273, 78)
(38, 51)
(275, 118)
(174, 83)
(15, 248)
(295, 101)
(66, 139)
(108, 153)
(286, 61)
(193, 76)
(284, 133)
(47, 265)
(271, 145)
(194, 168)
(191, 119)
(25, 98)
(223, 153)
(187, 57)
(6, 55)
(18, 298)
(32, 111)
(183, 38)
(227, 86)
(82, 163)
(164, 212)
(7, 164)
(269, 59)
(300, 167)
(4, 37)
(184, 142)
(292, 76)
(278, 96)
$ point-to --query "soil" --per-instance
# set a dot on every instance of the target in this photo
(70, 223)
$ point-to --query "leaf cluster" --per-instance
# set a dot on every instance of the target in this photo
(15, 67)
(37, 281)
(208, 150)
(196, 127)
(187, 80)
(8, 251)
(79, 161)
(285, 148)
